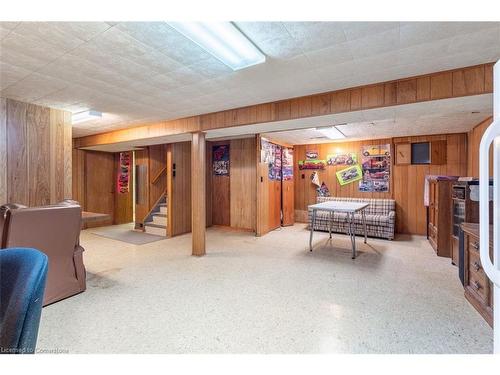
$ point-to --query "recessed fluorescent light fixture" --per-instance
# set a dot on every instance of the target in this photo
(85, 116)
(224, 41)
(331, 132)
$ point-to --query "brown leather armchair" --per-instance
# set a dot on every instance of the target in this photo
(54, 230)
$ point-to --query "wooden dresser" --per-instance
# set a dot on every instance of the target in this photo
(478, 288)
(440, 216)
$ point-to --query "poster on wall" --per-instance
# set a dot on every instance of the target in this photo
(220, 156)
(287, 159)
(124, 173)
(376, 168)
(349, 158)
(348, 175)
(275, 166)
(312, 164)
(312, 155)
(266, 151)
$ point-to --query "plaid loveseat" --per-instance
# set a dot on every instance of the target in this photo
(380, 217)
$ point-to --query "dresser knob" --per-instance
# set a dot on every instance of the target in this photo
(477, 266)
(476, 285)
(475, 245)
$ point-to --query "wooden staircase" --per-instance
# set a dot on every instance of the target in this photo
(157, 217)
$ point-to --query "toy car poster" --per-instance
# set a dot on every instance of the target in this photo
(376, 168)
(287, 159)
(349, 158)
(348, 175)
(220, 157)
(312, 164)
(312, 155)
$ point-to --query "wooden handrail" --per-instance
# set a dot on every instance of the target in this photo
(157, 176)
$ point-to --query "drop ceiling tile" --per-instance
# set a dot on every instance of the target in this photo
(337, 54)
(280, 47)
(34, 87)
(356, 30)
(35, 48)
(210, 68)
(10, 74)
(261, 31)
(477, 41)
(51, 33)
(379, 43)
(166, 39)
(315, 35)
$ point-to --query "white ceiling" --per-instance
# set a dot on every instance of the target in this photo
(434, 117)
(140, 72)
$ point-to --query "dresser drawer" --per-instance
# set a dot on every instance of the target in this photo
(475, 262)
(478, 282)
(473, 244)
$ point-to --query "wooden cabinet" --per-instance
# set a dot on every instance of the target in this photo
(478, 288)
(440, 216)
(403, 153)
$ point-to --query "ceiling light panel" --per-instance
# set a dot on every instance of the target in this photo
(222, 40)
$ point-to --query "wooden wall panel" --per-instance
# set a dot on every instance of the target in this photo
(141, 190)
(407, 181)
(220, 190)
(474, 140)
(17, 153)
(78, 176)
(242, 183)
(220, 200)
(468, 81)
(3, 151)
(180, 194)
(28, 150)
(38, 132)
(100, 185)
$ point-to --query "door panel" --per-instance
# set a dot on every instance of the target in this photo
(100, 185)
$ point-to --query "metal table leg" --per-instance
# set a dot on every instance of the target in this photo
(364, 223)
(353, 231)
(313, 221)
(330, 224)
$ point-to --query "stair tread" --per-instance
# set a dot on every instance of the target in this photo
(151, 224)
(159, 214)
(163, 205)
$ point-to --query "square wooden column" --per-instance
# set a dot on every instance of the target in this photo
(198, 193)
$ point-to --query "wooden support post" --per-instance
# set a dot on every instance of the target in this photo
(198, 193)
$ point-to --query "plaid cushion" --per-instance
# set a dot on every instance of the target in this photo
(380, 217)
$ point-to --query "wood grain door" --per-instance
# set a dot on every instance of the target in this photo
(100, 184)
(288, 203)
(274, 205)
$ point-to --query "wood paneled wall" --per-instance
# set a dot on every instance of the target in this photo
(305, 191)
(35, 154)
(243, 179)
(407, 181)
(233, 197)
(474, 140)
(179, 188)
(471, 80)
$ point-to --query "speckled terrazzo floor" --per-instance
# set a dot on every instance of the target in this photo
(265, 295)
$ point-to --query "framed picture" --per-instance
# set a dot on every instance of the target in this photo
(376, 168)
(348, 175)
(220, 160)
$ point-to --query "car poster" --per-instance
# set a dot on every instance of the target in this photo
(124, 173)
(220, 156)
(266, 151)
(287, 158)
(275, 166)
(348, 175)
(312, 155)
(376, 166)
(349, 158)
